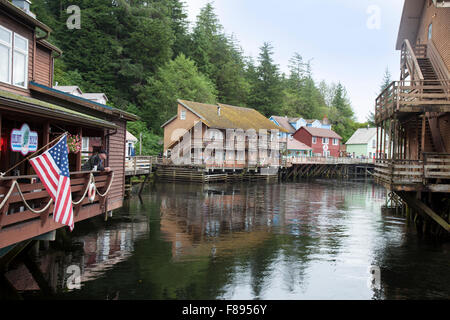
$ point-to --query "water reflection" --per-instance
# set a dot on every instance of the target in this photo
(310, 240)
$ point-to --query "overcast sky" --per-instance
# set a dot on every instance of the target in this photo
(351, 41)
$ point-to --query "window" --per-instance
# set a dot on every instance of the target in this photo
(335, 142)
(183, 115)
(314, 140)
(374, 143)
(325, 140)
(85, 144)
(5, 55)
(430, 31)
(13, 58)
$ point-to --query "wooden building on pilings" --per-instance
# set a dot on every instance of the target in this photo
(413, 116)
(30, 107)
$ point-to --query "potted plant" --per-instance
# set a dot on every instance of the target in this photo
(74, 143)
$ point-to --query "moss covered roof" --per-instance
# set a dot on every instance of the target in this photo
(230, 117)
(68, 113)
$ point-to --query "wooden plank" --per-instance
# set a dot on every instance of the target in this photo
(418, 205)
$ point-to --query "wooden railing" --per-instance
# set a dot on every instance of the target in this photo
(15, 212)
(438, 64)
(434, 166)
(328, 160)
(409, 59)
(406, 96)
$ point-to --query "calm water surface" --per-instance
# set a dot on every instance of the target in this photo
(308, 240)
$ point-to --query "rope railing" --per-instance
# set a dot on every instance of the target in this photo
(15, 184)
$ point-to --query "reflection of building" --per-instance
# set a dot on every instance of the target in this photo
(100, 251)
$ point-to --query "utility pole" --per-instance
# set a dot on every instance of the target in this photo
(140, 144)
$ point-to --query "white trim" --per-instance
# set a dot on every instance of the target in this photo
(24, 52)
(84, 144)
(190, 109)
(10, 48)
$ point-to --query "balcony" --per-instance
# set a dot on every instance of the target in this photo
(430, 174)
(424, 85)
(417, 96)
(18, 222)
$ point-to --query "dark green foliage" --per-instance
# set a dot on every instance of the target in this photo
(142, 54)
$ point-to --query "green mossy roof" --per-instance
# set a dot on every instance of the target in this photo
(54, 107)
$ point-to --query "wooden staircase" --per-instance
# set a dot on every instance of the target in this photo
(429, 75)
(428, 137)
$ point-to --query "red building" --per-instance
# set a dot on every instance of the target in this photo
(324, 142)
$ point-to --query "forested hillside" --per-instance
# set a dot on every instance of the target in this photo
(144, 56)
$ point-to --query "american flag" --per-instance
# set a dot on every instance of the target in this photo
(52, 167)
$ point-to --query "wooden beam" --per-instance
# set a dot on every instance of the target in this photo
(422, 137)
(422, 207)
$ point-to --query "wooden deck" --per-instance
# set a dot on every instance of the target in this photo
(431, 174)
(417, 96)
(18, 223)
(143, 165)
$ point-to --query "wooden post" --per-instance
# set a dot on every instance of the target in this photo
(423, 136)
(78, 161)
(140, 143)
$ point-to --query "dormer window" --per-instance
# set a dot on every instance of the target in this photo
(13, 58)
(183, 115)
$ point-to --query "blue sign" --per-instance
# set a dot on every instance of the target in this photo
(24, 140)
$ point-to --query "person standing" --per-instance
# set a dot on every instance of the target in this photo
(96, 162)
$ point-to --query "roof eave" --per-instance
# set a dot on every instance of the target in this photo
(73, 118)
(409, 24)
(23, 15)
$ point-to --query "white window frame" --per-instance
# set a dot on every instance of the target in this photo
(314, 140)
(85, 144)
(325, 140)
(25, 86)
(335, 142)
(183, 115)
(10, 48)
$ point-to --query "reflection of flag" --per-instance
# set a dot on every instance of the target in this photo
(52, 167)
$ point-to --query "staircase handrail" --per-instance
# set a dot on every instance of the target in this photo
(411, 61)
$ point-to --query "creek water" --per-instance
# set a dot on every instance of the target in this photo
(321, 239)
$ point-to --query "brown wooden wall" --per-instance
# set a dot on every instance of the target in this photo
(444, 127)
(440, 17)
(169, 129)
(116, 161)
(43, 66)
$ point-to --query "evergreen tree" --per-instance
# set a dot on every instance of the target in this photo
(384, 84)
(266, 91)
(177, 79)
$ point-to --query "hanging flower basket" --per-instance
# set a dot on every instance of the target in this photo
(74, 143)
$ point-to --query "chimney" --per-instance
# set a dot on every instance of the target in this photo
(325, 120)
(24, 5)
